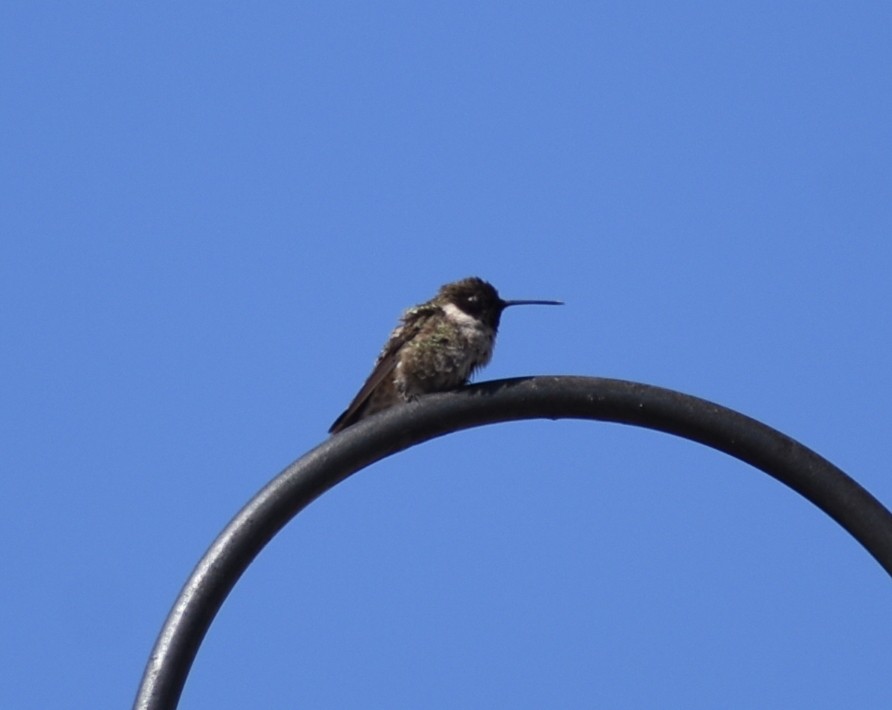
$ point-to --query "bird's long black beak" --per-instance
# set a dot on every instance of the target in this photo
(505, 304)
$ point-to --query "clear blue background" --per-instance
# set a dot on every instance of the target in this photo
(212, 215)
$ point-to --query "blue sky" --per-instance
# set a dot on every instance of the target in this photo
(212, 216)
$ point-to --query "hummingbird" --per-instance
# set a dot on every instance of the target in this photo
(437, 346)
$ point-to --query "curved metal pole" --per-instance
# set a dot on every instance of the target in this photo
(435, 415)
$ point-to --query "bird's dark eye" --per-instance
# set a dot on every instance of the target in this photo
(472, 303)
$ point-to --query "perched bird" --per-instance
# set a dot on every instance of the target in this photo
(437, 346)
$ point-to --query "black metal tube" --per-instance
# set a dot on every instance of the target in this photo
(524, 398)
